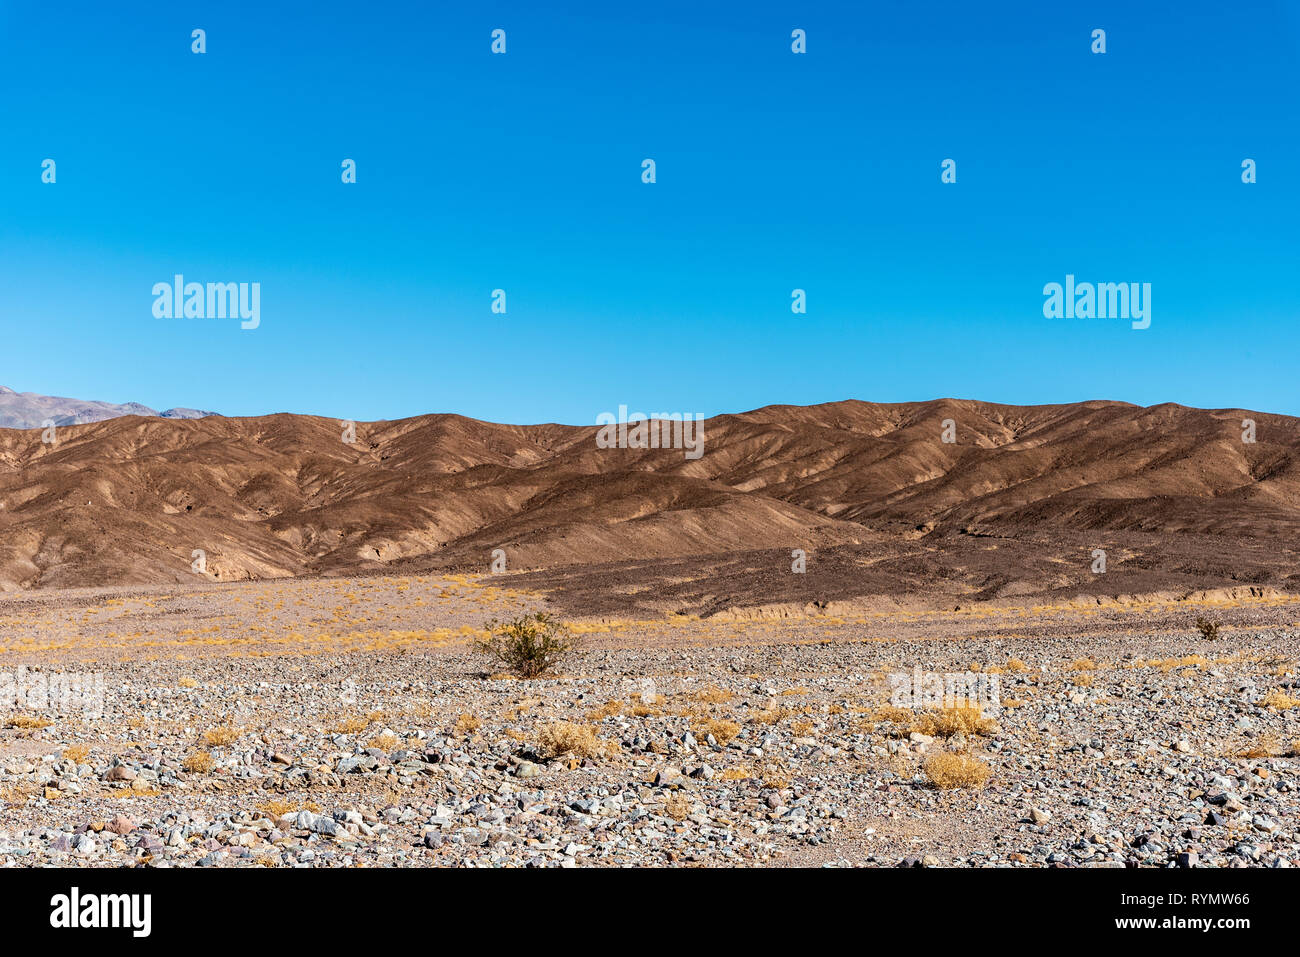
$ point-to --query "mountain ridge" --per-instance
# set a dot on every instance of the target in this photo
(871, 489)
(32, 410)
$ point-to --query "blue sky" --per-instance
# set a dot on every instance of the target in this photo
(775, 171)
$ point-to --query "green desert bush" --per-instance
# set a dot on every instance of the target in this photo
(529, 645)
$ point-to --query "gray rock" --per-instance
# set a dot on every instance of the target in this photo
(666, 776)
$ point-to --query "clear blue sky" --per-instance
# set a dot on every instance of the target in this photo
(523, 171)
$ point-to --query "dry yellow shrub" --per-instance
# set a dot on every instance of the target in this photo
(277, 808)
(944, 723)
(723, 731)
(220, 737)
(712, 695)
(677, 807)
(200, 762)
(1280, 700)
(26, 722)
(771, 715)
(609, 709)
(351, 724)
(1268, 746)
(948, 771)
(772, 774)
(468, 723)
(565, 737)
(900, 716)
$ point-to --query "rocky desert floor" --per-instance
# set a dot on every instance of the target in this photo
(349, 723)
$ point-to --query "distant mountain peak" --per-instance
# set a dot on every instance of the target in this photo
(31, 410)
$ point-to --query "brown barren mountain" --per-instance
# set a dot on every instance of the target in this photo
(884, 509)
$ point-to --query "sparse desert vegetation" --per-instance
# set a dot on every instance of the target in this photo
(1281, 700)
(1209, 629)
(353, 723)
(24, 722)
(529, 645)
(222, 736)
(558, 738)
(947, 770)
(198, 762)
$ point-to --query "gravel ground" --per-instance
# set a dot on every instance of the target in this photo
(376, 737)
